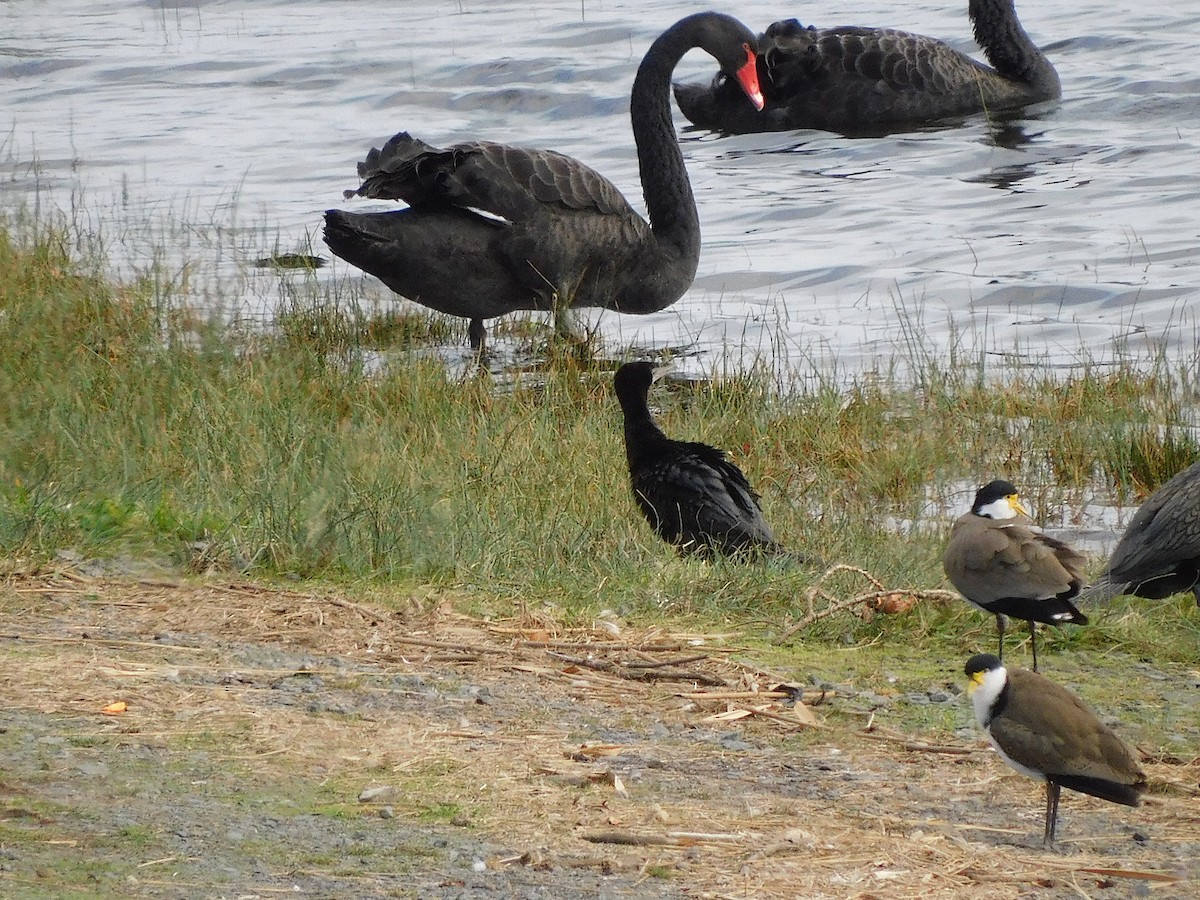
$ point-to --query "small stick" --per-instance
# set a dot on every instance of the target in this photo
(105, 642)
(796, 724)
(921, 746)
(365, 611)
(870, 597)
(604, 665)
(53, 590)
(446, 645)
(658, 664)
(704, 836)
(629, 840)
(670, 839)
(157, 862)
(817, 615)
(602, 645)
(736, 695)
(1130, 873)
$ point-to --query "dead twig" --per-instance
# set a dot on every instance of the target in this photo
(446, 645)
(670, 839)
(658, 664)
(874, 598)
(919, 746)
(601, 645)
(1130, 873)
(622, 671)
(103, 642)
(736, 695)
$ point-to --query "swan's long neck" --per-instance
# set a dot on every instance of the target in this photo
(1008, 48)
(665, 185)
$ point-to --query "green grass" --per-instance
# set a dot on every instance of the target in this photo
(132, 425)
(137, 837)
(439, 812)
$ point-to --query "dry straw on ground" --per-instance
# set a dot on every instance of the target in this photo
(603, 747)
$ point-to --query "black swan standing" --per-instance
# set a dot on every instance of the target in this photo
(689, 492)
(856, 80)
(1003, 565)
(1159, 553)
(490, 228)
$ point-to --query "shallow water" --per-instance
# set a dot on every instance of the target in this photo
(223, 129)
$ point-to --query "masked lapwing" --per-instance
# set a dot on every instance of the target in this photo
(1004, 565)
(1159, 554)
(1044, 731)
(691, 494)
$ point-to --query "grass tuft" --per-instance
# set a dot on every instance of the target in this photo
(332, 446)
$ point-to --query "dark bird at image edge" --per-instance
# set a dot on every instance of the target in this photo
(1158, 556)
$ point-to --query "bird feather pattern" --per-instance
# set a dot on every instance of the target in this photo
(696, 493)
(1031, 564)
(511, 182)
(1055, 729)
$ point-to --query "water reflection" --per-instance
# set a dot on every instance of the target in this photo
(1011, 135)
(1082, 214)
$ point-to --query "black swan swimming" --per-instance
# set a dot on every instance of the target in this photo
(856, 80)
(690, 493)
(490, 228)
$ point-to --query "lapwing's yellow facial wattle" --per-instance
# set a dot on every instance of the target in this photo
(1014, 501)
(975, 682)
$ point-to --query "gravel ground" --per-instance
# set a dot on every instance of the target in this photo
(280, 743)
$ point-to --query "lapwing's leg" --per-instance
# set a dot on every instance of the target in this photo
(1001, 623)
(1052, 790)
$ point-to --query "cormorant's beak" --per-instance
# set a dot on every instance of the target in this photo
(662, 369)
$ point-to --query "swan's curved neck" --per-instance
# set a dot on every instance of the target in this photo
(665, 185)
(1007, 47)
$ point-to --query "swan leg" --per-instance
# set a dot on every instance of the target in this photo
(477, 334)
(565, 325)
(568, 337)
(566, 328)
(1033, 641)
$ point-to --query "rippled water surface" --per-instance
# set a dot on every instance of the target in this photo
(225, 128)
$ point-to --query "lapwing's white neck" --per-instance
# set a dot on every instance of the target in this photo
(986, 694)
(986, 691)
(998, 509)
